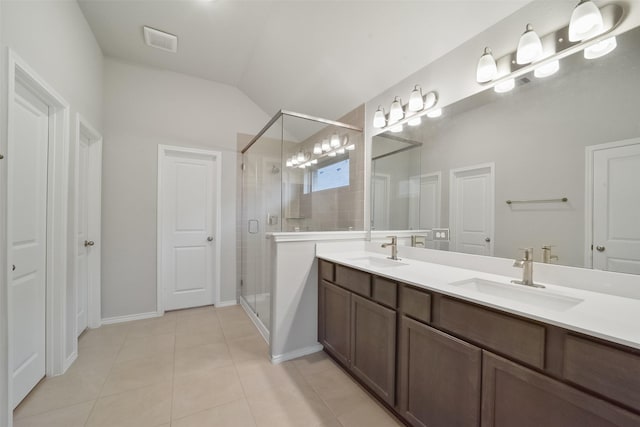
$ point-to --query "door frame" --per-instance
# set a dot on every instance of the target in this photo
(163, 151)
(94, 206)
(57, 214)
(588, 195)
(387, 182)
(452, 202)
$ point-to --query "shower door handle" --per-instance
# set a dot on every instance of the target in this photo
(254, 226)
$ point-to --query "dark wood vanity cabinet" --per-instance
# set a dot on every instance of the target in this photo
(464, 364)
(438, 378)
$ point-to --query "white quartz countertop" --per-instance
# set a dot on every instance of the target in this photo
(610, 317)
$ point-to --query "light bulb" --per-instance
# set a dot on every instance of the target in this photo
(415, 121)
(294, 161)
(586, 21)
(529, 46)
(351, 147)
(505, 86)
(325, 145)
(487, 67)
(302, 166)
(340, 150)
(317, 149)
(396, 112)
(335, 141)
(379, 120)
(600, 49)
(289, 164)
(314, 161)
(547, 69)
(434, 113)
(416, 103)
(332, 154)
(396, 128)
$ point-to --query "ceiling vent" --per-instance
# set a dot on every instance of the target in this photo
(160, 40)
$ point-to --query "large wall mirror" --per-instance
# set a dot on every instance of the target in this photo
(554, 163)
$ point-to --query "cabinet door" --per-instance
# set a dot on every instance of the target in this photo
(439, 378)
(513, 395)
(336, 321)
(373, 346)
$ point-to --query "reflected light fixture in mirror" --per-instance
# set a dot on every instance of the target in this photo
(396, 128)
(379, 119)
(416, 103)
(505, 86)
(487, 67)
(529, 46)
(325, 145)
(317, 148)
(547, 70)
(435, 113)
(415, 121)
(586, 21)
(396, 112)
(335, 141)
(600, 49)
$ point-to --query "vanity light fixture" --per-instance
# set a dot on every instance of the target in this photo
(332, 154)
(415, 121)
(325, 145)
(314, 162)
(396, 128)
(379, 119)
(433, 114)
(416, 102)
(351, 147)
(586, 21)
(300, 157)
(317, 149)
(601, 49)
(547, 69)
(340, 150)
(289, 163)
(396, 112)
(529, 46)
(505, 86)
(487, 68)
(335, 141)
(294, 161)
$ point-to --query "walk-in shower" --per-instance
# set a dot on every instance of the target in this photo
(299, 174)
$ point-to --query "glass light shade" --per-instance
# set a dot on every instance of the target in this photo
(340, 150)
(396, 128)
(416, 103)
(600, 49)
(317, 149)
(529, 46)
(547, 69)
(586, 21)
(294, 161)
(505, 86)
(430, 100)
(332, 154)
(379, 120)
(396, 112)
(300, 157)
(335, 141)
(351, 147)
(302, 166)
(325, 145)
(289, 164)
(415, 121)
(314, 161)
(487, 67)
(434, 113)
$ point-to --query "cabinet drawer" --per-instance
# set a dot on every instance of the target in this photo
(385, 292)
(609, 371)
(513, 337)
(415, 303)
(354, 280)
(326, 270)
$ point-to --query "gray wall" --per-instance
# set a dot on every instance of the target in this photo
(56, 41)
(145, 107)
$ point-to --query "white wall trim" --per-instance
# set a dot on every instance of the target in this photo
(83, 127)
(229, 303)
(217, 155)
(313, 236)
(280, 358)
(258, 324)
(588, 194)
(130, 317)
(57, 215)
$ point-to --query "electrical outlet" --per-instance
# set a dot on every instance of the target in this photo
(440, 234)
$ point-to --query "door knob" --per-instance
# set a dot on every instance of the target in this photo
(13, 267)
(89, 243)
(210, 239)
(487, 239)
(600, 248)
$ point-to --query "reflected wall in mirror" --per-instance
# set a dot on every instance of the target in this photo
(574, 135)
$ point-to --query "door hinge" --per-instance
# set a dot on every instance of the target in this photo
(241, 282)
(592, 246)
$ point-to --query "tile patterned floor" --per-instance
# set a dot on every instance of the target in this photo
(192, 368)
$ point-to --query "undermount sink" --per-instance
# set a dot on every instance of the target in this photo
(531, 296)
(369, 261)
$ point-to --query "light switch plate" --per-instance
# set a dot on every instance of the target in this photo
(440, 234)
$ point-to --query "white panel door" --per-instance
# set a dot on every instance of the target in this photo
(83, 241)
(188, 195)
(430, 204)
(471, 216)
(28, 205)
(380, 211)
(616, 209)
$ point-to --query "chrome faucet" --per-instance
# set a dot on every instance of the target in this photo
(394, 247)
(547, 257)
(526, 264)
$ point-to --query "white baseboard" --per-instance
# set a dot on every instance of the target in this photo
(67, 363)
(258, 324)
(130, 317)
(226, 303)
(295, 354)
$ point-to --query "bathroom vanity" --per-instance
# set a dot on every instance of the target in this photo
(445, 346)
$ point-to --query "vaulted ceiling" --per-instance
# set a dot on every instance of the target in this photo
(317, 57)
